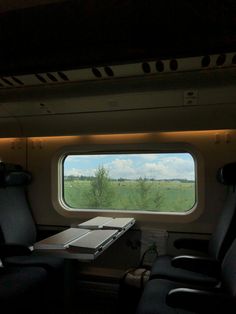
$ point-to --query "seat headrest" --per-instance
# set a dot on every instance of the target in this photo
(13, 175)
(16, 178)
(9, 167)
(227, 174)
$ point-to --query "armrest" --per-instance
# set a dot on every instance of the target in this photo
(204, 265)
(11, 249)
(200, 245)
(201, 301)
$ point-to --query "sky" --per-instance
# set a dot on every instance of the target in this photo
(133, 166)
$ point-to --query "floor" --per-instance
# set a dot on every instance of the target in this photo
(97, 298)
(96, 293)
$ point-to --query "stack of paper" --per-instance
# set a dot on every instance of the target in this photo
(93, 241)
(118, 223)
(95, 223)
(107, 223)
(61, 239)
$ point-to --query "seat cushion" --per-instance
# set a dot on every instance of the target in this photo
(50, 263)
(162, 268)
(55, 270)
(21, 287)
(153, 300)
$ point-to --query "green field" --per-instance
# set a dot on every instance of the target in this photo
(159, 196)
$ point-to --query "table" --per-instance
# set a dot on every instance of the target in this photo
(86, 257)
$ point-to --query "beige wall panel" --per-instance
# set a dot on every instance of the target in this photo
(13, 150)
(216, 148)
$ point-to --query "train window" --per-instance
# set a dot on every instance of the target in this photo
(153, 182)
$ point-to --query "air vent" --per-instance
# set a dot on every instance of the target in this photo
(160, 66)
(96, 72)
(146, 67)
(221, 60)
(10, 82)
(63, 76)
(173, 65)
(7, 82)
(52, 77)
(109, 71)
(40, 78)
(15, 79)
(206, 60)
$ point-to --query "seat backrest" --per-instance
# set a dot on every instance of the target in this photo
(225, 231)
(16, 221)
(228, 270)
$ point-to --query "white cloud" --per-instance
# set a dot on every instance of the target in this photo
(149, 157)
(170, 168)
(80, 172)
(121, 168)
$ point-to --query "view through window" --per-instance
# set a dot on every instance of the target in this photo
(159, 182)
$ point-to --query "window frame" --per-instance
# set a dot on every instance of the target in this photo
(133, 148)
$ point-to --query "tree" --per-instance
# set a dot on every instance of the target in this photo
(70, 178)
(158, 199)
(143, 189)
(147, 198)
(100, 194)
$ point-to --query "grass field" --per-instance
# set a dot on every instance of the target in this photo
(161, 196)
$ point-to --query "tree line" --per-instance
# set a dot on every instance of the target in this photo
(90, 178)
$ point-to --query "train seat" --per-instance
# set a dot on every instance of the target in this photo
(162, 296)
(17, 227)
(18, 233)
(196, 269)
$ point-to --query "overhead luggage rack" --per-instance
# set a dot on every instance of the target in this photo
(145, 68)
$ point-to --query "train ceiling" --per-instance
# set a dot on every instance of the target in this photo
(63, 35)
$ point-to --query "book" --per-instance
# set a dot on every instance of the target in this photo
(61, 239)
(95, 223)
(119, 223)
(93, 241)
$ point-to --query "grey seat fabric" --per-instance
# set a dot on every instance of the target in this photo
(153, 300)
(222, 237)
(21, 288)
(222, 300)
(50, 263)
(163, 268)
(17, 227)
(16, 222)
